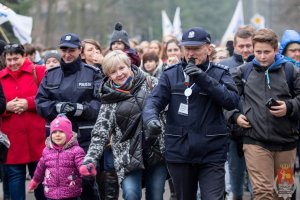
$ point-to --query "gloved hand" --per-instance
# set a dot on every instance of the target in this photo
(153, 129)
(87, 170)
(68, 108)
(192, 70)
(32, 186)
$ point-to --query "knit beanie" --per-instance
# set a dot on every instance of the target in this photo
(62, 123)
(51, 54)
(2, 45)
(119, 35)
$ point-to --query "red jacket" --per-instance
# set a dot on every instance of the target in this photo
(25, 131)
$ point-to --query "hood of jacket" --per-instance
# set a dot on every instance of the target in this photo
(69, 144)
(279, 59)
(109, 95)
(289, 36)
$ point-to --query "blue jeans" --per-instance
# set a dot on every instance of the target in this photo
(237, 169)
(5, 188)
(16, 175)
(155, 177)
(108, 160)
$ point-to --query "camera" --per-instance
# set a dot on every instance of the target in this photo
(271, 102)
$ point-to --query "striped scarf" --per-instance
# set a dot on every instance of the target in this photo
(125, 88)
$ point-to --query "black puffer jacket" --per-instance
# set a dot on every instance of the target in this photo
(120, 118)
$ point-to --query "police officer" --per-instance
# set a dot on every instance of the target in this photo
(196, 91)
(71, 88)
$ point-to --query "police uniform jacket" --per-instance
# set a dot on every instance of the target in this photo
(201, 136)
(74, 82)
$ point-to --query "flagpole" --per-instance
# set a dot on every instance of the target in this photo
(4, 35)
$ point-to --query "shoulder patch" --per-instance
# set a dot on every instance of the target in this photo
(91, 67)
(53, 68)
(218, 65)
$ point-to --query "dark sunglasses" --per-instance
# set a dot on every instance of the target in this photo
(13, 46)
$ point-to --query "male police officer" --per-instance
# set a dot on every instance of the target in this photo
(196, 135)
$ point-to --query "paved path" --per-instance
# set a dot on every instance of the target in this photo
(29, 196)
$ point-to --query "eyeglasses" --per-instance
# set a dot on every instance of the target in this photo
(13, 46)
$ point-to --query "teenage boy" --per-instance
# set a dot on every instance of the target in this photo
(270, 133)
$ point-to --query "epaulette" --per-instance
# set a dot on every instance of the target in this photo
(92, 67)
(218, 65)
(53, 68)
(172, 66)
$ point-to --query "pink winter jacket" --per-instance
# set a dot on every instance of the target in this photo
(59, 170)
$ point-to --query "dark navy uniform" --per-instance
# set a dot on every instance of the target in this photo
(74, 82)
(196, 134)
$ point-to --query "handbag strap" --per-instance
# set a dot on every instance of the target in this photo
(35, 76)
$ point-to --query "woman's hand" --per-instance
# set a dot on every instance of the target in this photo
(22, 105)
(172, 60)
(97, 57)
(11, 105)
(17, 105)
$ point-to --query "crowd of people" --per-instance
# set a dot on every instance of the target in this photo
(85, 121)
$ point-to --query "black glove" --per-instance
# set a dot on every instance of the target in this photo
(68, 108)
(153, 129)
(192, 70)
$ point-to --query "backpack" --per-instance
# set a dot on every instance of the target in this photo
(288, 70)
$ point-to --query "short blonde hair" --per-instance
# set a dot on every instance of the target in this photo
(113, 58)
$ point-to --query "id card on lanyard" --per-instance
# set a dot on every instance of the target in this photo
(184, 107)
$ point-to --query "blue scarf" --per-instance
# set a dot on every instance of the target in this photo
(293, 61)
(279, 59)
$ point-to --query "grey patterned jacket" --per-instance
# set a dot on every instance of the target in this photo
(127, 144)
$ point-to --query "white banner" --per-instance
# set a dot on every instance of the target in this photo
(167, 26)
(22, 25)
(236, 21)
(177, 24)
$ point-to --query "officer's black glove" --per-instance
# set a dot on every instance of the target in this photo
(70, 109)
(192, 70)
(153, 129)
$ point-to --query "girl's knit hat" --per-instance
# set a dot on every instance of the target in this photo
(51, 54)
(62, 123)
(119, 35)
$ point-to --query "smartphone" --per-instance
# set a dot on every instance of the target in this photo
(271, 102)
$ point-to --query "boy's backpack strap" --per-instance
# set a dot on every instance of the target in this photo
(247, 71)
(289, 71)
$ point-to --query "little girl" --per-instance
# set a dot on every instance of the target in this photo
(59, 165)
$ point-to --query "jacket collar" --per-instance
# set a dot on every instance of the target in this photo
(71, 68)
(26, 67)
(240, 59)
(109, 95)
